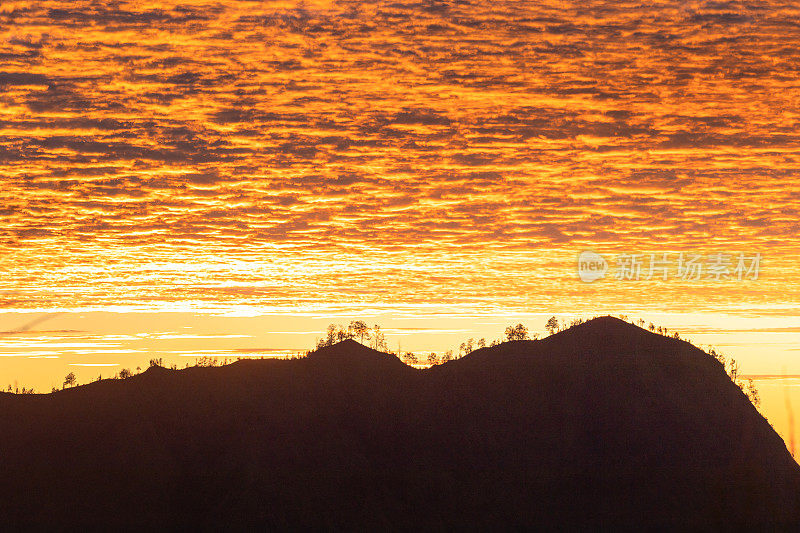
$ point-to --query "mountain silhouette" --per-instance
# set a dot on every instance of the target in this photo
(604, 425)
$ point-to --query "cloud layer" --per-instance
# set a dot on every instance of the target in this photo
(260, 148)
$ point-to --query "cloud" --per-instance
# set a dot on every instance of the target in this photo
(419, 129)
(22, 78)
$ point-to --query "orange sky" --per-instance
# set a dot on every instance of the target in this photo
(390, 160)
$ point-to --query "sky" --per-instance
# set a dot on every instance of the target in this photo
(185, 179)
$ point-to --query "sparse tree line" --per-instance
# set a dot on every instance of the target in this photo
(360, 331)
(731, 367)
(17, 390)
(205, 361)
(356, 330)
(748, 387)
(374, 338)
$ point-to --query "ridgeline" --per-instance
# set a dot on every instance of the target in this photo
(602, 425)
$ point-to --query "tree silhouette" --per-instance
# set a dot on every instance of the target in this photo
(552, 325)
(70, 380)
(331, 338)
(343, 334)
(752, 393)
(356, 329)
(410, 358)
(379, 338)
(359, 329)
(516, 333)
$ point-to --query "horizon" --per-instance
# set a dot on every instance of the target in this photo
(774, 400)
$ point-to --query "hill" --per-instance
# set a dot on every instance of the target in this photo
(602, 425)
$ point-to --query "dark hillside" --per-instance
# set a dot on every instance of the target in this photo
(604, 424)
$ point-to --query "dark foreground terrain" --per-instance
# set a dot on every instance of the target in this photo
(603, 425)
